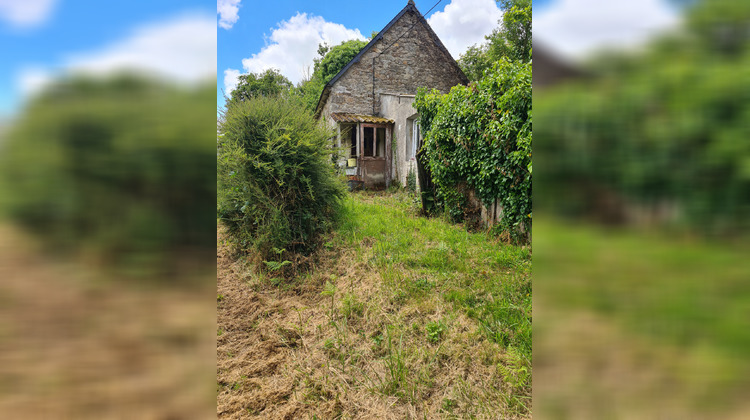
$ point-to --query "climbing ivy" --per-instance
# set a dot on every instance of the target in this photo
(478, 138)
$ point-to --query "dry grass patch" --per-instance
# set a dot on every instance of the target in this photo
(360, 335)
(74, 344)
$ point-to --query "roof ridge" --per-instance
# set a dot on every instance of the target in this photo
(410, 6)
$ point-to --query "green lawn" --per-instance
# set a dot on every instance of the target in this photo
(488, 280)
(675, 310)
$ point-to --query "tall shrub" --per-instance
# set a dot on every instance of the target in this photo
(117, 167)
(276, 184)
(478, 137)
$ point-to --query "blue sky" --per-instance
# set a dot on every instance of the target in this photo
(41, 39)
(253, 36)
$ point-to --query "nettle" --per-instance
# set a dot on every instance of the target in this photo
(478, 138)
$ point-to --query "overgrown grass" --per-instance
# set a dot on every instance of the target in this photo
(681, 304)
(399, 316)
(486, 279)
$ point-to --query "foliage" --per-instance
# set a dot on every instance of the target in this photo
(276, 184)
(667, 130)
(268, 83)
(116, 167)
(411, 180)
(511, 40)
(479, 138)
(336, 59)
(721, 26)
(474, 61)
(435, 330)
(328, 65)
(481, 277)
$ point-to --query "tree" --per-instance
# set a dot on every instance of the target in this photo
(475, 61)
(268, 83)
(330, 62)
(512, 39)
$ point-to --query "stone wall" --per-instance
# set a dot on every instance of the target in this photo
(413, 60)
(399, 108)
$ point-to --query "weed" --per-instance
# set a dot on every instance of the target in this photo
(448, 405)
(377, 347)
(435, 331)
(351, 306)
(329, 290)
(422, 283)
(396, 382)
(300, 327)
(274, 266)
(516, 373)
(411, 180)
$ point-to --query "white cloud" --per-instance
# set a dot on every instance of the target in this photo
(231, 78)
(464, 23)
(182, 49)
(575, 28)
(26, 13)
(228, 10)
(32, 79)
(293, 45)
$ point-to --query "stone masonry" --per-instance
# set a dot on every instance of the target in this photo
(406, 56)
(383, 79)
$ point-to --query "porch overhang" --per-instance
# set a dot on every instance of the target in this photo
(345, 117)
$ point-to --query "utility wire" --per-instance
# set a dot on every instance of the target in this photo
(410, 28)
(392, 44)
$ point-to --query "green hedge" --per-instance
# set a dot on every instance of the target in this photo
(478, 137)
(671, 131)
(121, 167)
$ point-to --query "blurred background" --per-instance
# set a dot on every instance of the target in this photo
(107, 195)
(107, 188)
(641, 201)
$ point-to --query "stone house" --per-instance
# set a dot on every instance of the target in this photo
(369, 101)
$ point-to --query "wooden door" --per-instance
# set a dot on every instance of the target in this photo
(374, 155)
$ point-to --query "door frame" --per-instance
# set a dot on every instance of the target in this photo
(388, 158)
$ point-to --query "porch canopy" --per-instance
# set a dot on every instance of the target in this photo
(345, 117)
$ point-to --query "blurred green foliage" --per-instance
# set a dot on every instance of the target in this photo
(276, 183)
(665, 129)
(120, 167)
(655, 137)
(478, 138)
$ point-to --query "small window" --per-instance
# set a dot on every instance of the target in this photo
(353, 142)
(368, 141)
(413, 140)
(380, 142)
